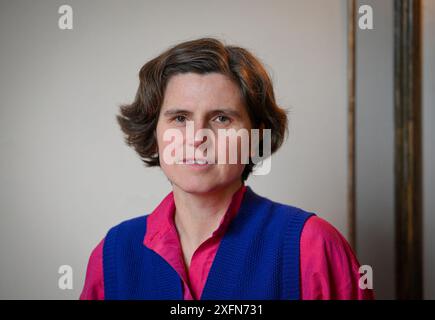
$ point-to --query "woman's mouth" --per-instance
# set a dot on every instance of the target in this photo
(194, 163)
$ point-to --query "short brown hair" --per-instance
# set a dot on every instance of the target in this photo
(138, 120)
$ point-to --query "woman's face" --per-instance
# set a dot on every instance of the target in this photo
(212, 101)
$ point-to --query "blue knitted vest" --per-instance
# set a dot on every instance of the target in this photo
(258, 258)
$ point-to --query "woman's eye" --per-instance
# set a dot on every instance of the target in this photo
(180, 119)
(222, 119)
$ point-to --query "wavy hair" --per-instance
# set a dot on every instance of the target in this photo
(138, 120)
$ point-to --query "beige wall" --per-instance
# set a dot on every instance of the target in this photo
(66, 175)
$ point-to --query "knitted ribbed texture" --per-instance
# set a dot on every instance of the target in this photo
(132, 271)
(258, 258)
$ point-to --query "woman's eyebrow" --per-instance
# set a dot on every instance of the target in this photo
(228, 111)
(172, 112)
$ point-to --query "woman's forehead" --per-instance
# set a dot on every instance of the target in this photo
(194, 88)
(202, 93)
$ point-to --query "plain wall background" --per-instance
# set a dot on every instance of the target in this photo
(67, 176)
(429, 148)
(375, 147)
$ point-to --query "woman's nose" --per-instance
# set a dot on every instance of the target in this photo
(196, 133)
(199, 140)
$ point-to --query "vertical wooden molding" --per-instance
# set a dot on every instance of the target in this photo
(351, 115)
(408, 156)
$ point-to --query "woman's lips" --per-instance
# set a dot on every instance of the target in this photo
(197, 163)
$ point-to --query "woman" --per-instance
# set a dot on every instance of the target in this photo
(213, 237)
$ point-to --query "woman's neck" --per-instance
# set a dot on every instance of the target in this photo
(198, 215)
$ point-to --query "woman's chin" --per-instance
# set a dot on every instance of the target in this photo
(202, 183)
(196, 186)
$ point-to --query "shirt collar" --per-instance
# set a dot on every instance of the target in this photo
(161, 220)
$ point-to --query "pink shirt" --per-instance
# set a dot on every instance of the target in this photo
(329, 268)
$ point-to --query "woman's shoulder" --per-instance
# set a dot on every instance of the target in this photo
(329, 266)
(321, 240)
(318, 229)
(93, 288)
